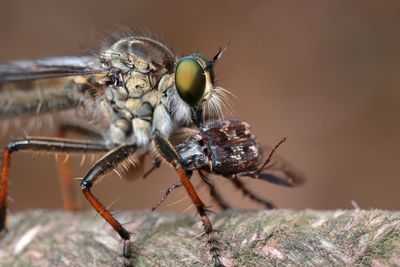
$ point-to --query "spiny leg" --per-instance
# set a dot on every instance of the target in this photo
(213, 192)
(53, 145)
(156, 164)
(167, 192)
(70, 200)
(104, 165)
(247, 192)
(216, 195)
(177, 185)
(169, 153)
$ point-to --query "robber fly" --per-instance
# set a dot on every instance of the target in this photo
(136, 88)
(228, 148)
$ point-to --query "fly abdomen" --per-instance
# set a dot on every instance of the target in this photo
(37, 97)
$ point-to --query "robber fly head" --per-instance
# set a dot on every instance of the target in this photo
(195, 84)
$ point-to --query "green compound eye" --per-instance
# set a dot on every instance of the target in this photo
(190, 80)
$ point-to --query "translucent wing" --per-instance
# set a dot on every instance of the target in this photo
(182, 134)
(282, 171)
(40, 86)
(54, 67)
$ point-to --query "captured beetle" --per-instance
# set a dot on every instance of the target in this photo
(226, 148)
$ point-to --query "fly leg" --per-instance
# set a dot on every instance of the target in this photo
(52, 145)
(213, 192)
(69, 197)
(165, 148)
(104, 165)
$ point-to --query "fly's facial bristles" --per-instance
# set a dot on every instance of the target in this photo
(217, 102)
(179, 109)
(225, 96)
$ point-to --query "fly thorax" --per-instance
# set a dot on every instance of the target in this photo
(141, 54)
(137, 65)
(134, 105)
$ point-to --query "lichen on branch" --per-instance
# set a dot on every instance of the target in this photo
(248, 238)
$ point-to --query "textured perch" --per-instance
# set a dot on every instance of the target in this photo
(248, 238)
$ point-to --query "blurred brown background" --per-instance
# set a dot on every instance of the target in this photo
(324, 73)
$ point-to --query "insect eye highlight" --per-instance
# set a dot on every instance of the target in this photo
(190, 80)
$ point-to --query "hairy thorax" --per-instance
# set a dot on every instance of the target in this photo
(141, 72)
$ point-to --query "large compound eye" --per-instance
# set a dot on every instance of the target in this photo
(190, 80)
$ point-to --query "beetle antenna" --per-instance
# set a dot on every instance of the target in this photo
(268, 160)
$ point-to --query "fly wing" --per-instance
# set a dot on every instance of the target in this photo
(54, 67)
(41, 86)
(182, 134)
(280, 171)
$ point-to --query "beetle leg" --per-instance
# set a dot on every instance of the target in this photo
(165, 148)
(104, 165)
(247, 192)
(265, 176)
(214, 193)
(167, 192)
(39, 144)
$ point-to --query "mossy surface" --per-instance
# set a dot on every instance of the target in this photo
(248, 238)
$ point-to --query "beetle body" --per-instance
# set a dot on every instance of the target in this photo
(224, 147)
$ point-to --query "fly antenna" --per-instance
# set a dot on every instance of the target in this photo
(216, 57)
